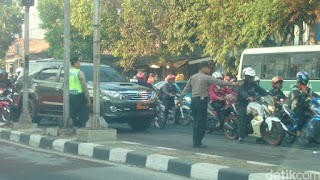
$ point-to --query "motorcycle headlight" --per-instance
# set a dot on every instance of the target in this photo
(271, 109)
(113, 94)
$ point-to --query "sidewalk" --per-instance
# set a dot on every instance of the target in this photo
(166, 160)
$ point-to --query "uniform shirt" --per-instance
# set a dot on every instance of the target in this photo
(200, 83)
(169, 89)
(249, 90)
(83, 82)
(219, 91)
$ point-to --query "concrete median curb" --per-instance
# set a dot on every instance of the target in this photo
(156, 162)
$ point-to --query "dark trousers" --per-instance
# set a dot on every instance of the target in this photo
(218, 105)
(304, 114)
(169, 104)
(79, 111)
(242, 117)
(199, 111)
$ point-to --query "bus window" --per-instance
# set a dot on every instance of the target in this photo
(254, 61)
(275, 65)
(304, 62)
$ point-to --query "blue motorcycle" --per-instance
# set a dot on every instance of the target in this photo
(311, 129)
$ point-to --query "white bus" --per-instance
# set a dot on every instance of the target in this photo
(283, 61)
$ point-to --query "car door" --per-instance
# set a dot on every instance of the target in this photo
(47, 90)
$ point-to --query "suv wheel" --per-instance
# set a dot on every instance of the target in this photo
(33, 111)
(140, 124)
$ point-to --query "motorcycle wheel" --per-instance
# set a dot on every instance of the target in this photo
(232, 120)
(159, 121)
(276, 135)
(289, 138)
(5, 113)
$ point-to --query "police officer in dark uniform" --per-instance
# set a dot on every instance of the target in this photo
(200, 84)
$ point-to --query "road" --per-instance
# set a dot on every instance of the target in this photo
(23, 163)
(180, 137)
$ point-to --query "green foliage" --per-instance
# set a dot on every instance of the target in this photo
(51, 13)
(10, 22)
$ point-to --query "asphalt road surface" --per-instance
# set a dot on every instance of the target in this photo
(180, 137)
(23, 163)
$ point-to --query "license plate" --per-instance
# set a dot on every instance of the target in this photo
(142, 106)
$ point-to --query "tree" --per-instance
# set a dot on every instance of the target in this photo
(51, 13)
(10, 22)
(301, 11)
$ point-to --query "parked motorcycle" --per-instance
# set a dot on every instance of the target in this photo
(263, 124)
(5, 103)
(213, 122)
(311, 130)
(182, 114)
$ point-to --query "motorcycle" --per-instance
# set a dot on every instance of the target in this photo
(263, 124)
(5, 104)
(311, 129)
(182, 114)
(228, 111)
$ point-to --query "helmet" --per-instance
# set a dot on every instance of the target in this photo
(248, 71)
(302, 77)
(217, 75)
(226, 78)
(180, 77)
(276, 79)
(170, 76)
(19, 70)
(141, 75)
(256, 78)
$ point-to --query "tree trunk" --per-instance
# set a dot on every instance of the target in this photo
(313, 34)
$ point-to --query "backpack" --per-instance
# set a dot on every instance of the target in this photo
(160, 93)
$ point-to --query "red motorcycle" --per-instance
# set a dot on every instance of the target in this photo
(5, 103)
(213, 123)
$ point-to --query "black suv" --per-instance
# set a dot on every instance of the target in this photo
(121, 101)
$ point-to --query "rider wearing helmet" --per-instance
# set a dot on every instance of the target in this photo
(142, 80)
(226, 78)
(217, 94)
(4, 81)
(276, 92)
(180, 77)
(297, 99)
(169, 90)
(246, 94)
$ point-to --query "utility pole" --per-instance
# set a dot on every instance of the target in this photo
(66, 65)
(96, 118)
(25, 117)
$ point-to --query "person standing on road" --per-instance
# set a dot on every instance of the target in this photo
(79, 94)
(199, 85)
(246, 94)
(169, 90)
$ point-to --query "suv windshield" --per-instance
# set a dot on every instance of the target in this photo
(107, 74)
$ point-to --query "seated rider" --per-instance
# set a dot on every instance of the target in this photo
(217, 94)
(142, 80)
(276, 92)
(297, 99)
(169, 91)
(246, 94)
(4, 81)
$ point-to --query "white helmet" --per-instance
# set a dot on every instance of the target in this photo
(248, 71)
(19, 70)
(217, 75)
(256, 78)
